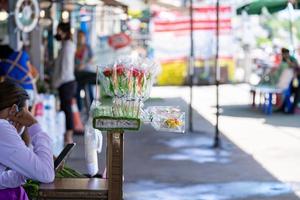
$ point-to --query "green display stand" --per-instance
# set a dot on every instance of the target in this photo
(105, 123)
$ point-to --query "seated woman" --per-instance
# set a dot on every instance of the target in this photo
(17, 161)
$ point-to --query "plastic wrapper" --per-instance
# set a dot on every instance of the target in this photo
(92, 142)
(120, 108)
(126, 108)
(129, 78)
(166, 118)
(105, 111)
(106, 79)
(129, 81)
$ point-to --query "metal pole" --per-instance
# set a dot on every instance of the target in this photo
(217, 78)
(291, 25)
(191, 67)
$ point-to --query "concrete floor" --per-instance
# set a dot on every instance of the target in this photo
(258, 159)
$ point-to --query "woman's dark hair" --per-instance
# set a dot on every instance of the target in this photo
(5, 51)
(66, 28)
(11, 93)
(285, 50)
(81, 32)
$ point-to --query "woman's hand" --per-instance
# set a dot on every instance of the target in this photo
(23, 117)
(26, 138)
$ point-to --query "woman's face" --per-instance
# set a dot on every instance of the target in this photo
(4, 114)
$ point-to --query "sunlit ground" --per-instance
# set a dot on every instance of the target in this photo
(273, 141)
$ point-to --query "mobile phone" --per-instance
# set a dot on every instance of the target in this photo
(63, 155)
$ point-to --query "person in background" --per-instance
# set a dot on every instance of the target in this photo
(83, 63)
(19, 162)
(287, 61)
(64, 75)
(16, 66)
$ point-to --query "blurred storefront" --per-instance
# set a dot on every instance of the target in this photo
(171, 41)
(30, 25)
(156, 29)
(36, 23)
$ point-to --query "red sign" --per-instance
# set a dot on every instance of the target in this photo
(204, 20)
(118, 41)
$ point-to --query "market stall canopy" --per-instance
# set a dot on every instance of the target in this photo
(256, 7)
(170, 4)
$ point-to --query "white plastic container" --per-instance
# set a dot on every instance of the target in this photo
(93, 145)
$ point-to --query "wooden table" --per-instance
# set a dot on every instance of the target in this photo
(92, 188)
(74, 188)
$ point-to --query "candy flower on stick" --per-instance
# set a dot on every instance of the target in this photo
(135, 73)
(121, 80)
(107, 72)
(141, 83)
(120, 70)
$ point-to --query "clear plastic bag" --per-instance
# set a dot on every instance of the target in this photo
(93, 141)
(166, 118)
(129, 81)
(105, 74)
(129, 108)
(129, 78)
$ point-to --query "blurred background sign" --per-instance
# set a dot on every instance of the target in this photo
(171, 36)
(120, 40)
